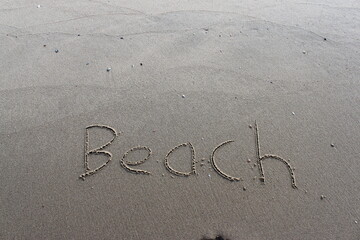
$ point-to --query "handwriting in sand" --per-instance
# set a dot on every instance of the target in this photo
(126, 164)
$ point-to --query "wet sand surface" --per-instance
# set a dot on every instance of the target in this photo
(176, 88)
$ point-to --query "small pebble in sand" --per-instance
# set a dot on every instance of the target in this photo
(44, 45)
(38, 6)
(183, 96)
(322, 197)
(304, 52)
(249, 160)
(254, 178)
(250, 126)
(121, 38)
(255, 164)
(209, 175)
(56, 50)
(163, 175)
(201, 164)
(172, 176)
(108, 69)
(325, 39)
(141, 64)
(219, 35)
(356, 222)
(244, 188)
(87, 63)
(332, 145)
(132, 65)
(293, 113)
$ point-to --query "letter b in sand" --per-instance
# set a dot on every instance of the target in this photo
(96, 151)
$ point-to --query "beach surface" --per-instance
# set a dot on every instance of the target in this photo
(158, 74)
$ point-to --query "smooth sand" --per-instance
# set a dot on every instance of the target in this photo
(292, 66)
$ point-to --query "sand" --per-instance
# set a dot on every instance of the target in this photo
(175, 80)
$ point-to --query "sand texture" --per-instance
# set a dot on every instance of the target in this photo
(180, 119)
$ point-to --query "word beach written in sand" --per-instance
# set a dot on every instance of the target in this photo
(127, 165)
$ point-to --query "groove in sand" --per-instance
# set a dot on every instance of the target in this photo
(217, 169)
(268, 156)
(178, 173)
(96, 151)
(125, 164)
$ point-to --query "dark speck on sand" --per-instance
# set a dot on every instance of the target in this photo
(218, 237)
